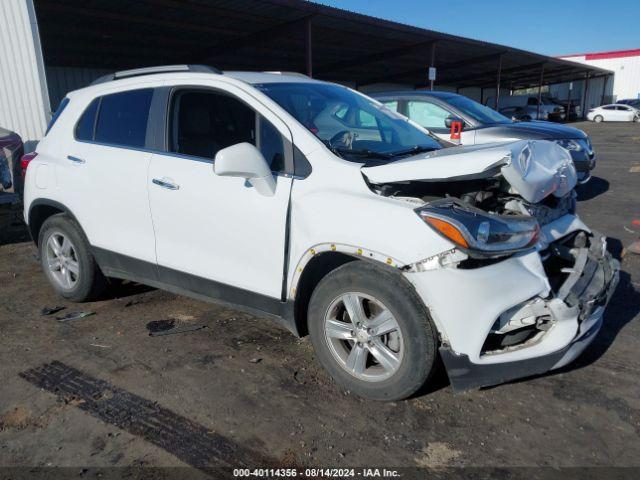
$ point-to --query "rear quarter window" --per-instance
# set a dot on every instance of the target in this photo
(122, 118)
(58, 112)
(85, 126)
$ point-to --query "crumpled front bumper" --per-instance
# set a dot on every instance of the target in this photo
(578, 305)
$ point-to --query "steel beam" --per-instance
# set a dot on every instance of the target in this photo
(309, 47)
(415, 72)
(498, 82)
(585, 97)
(373, 57)
(604, 88)
(540, 91)
(259, 37)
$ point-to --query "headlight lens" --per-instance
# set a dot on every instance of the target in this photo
(479, 233)
(571, 145)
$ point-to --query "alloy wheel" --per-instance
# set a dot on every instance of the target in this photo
(363, 336)
(62, 260)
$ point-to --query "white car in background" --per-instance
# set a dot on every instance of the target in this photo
(614, 113)
(314, 205)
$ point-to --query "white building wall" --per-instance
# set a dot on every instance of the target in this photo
(626, 82)
(24, 101)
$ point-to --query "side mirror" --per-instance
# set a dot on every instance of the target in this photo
(245, 161)
(449, 120)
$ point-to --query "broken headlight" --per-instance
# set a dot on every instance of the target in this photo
(571, 145)
(479, 233)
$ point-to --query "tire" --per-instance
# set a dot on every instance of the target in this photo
(412, 344)
(67, 261)
(598, 118)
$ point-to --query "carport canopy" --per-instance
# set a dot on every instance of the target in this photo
(283, 35)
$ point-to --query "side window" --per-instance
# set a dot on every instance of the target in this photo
(391, 105)
(427, 114)
(58, 112)
(86, 124)
(204, 122)
(122, 118)
(609, 107)
(366, 120)
(271, 145)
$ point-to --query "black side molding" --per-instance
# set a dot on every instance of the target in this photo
(121, 266)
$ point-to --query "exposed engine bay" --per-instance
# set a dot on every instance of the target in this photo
(492, 195)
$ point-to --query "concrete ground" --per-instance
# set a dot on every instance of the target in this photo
(100, 392)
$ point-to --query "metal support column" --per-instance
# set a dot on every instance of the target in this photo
(432, 63)
(497, 103)
(604, 88)
(309, 47)
(585, 97)
(540, 92)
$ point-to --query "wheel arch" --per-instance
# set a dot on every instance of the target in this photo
(43, 208)
(316, 263)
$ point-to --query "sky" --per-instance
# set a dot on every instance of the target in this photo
(551, 27)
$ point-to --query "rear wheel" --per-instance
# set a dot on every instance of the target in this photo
(67, 260)
(371, 332)
(598, 118)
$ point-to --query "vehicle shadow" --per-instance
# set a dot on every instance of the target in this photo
(593, 188)
(119, 289)
(622, 309)
(12, 228)
(439, 380)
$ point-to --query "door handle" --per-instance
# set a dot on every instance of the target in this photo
(166, 184)
(75, 159)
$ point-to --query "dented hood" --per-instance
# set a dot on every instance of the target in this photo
(533, 168)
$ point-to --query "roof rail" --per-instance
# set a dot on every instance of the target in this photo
(291, 74)
(136, 72)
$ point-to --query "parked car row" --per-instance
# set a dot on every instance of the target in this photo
(317, 206)
(526, 107)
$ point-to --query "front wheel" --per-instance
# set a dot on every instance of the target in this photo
(598, 118)
(371, 332)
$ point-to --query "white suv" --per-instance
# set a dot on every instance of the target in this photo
(312, 204)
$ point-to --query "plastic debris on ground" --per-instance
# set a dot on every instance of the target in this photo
(159, 328)
(74, 316)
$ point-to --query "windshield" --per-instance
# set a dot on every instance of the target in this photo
(477, 111)
(351, 125)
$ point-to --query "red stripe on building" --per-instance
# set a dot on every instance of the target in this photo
(603, 55)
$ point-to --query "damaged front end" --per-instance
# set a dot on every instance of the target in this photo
(524, 289)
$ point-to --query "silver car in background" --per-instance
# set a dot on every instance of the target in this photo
(436, 111)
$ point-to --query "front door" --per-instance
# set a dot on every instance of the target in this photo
(213, 230)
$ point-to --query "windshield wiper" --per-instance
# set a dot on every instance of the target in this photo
(363, 153)
(412, 150)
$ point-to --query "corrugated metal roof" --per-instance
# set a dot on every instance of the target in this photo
(270, 35)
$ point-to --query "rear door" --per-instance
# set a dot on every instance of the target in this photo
(107, 164)
(214, 231)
